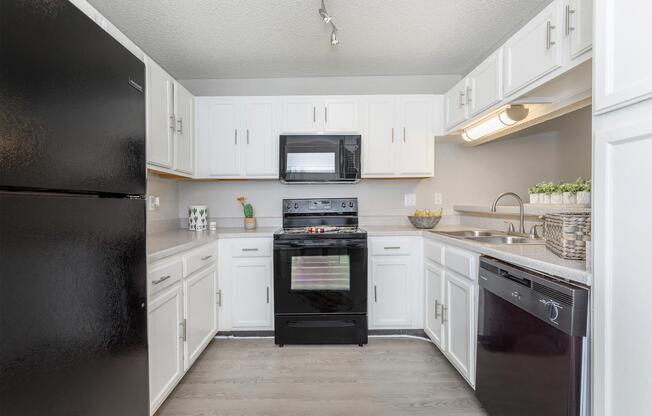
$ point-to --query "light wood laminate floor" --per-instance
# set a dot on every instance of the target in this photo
(389, 376)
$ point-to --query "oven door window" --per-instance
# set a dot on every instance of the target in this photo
(322, 273)
(311, 162)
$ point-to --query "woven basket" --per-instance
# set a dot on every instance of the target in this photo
(566, 234)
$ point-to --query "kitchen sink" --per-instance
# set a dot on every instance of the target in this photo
(492, 237)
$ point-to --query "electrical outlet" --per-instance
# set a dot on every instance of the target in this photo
(438, 198)
(153, 202)
(410, 200)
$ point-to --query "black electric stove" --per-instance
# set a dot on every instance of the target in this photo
(320, 273)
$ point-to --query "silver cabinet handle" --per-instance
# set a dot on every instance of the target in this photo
(267, 294)
(172, 120)
(443, 314)
(569, 13)
(469, 95)
(180, 125)
(249, 249)
(326, 115)
(161, 280)
(235, 134)
(314, 114)
(549, 41)
(183, 331)
(206, 258)
(437, 305)
(219, 297)
(403, 134)
(375, 294)
(247, 136)
(392, 248)
(461, 100)
(392, 134)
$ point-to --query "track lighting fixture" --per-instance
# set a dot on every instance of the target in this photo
(328, 19)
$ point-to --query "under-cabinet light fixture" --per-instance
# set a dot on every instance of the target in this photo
(505, 118)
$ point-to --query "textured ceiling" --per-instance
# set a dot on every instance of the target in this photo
(195, 39)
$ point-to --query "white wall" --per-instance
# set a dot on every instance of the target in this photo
(422, 84)
(167, 215)
(557, 150)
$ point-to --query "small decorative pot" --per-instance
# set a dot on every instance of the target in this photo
(249, 223)
(544, 198)
(534, 198)
(584, 197)
(197, 217)
(556, 198)
(569, 198)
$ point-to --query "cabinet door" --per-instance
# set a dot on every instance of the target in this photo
(455, 105)
(341, 114)
(223, 137)
(621, 60)
(184, 140)
(434, 303)
(165, 320)
(578, 25)
(261, 137)
(379, 140)
(251, 293)
(200, 303)
(534, 51)
(301, 114)
(160, 116)
(416, 140)
(459, 321)
(485, 86)
(390, 292)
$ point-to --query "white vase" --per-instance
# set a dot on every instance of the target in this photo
(584, 197)
(569, 198)
(544, 198)
(534, 198)
(197, 217)
(556, 198)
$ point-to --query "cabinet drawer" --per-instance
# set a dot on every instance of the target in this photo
(400, 246)
(199, 259)
(434, 251)
(460, 261)
(251, 247)
(164, 276)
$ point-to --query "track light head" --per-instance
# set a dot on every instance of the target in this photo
(323, 13)
(334, 39)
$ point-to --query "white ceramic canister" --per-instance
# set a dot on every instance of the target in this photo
(197, 217)
(556, 198)
(534, 199)
(544, 198)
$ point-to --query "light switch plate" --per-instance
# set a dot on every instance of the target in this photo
(438, 198)
(410, 200)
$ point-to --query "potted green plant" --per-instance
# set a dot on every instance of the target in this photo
(556, 194)
(249, 220)
(534, 194)
(583, 191)
(568, 193)
(546, 189)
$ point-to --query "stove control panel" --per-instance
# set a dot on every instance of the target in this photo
(320, 206)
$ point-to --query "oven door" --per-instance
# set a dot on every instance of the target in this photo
(319, 159)
(320, 276)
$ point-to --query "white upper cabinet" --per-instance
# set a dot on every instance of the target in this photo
(417, 142)
(535, 50)
(622, 59)
(237, 137)
(398, 135)
(183, 137)
(160, 116)
(578, 25)
(484, 86)
(341, 114)
(378, 114)
(300, 114)
(455, 104)
(259, 121)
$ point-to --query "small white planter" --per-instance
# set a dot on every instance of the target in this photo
(534, 198)
(556, 198)
(544, 198)
(584, 198)
(197, 217)
(569, 198)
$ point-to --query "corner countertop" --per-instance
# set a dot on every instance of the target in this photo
(169, 243)
(532, 256)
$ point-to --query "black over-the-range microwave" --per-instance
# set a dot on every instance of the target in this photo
(319, 158)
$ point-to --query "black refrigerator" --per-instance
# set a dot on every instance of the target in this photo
(73, 316)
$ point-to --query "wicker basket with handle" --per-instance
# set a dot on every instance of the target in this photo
(566, 234)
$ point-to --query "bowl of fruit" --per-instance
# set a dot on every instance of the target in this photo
(425, 219)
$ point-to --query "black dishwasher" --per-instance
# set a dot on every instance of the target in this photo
(532, 344)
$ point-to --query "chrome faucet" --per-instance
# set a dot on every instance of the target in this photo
(520, 204)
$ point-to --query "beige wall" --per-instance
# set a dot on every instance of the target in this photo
(168, 213)
(557, 150)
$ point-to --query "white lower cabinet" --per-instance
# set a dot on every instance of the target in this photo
(182, 318)
(458, 317)
(433, 324)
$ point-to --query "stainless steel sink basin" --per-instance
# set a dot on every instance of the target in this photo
(508, 239)
(473, 233)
